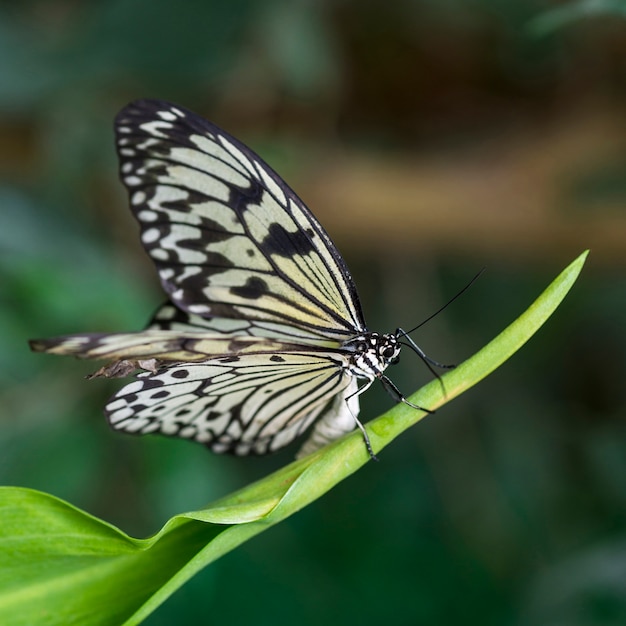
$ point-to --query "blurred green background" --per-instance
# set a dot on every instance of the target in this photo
(431, 138)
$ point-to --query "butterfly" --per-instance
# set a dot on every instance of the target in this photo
(263, 333)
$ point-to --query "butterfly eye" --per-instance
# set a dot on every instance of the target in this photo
(388, 352)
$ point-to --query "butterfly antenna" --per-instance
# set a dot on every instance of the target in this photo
(406, 333)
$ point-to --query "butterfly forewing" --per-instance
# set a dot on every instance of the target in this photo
(188, 345)
(170, 317)
(228, 236)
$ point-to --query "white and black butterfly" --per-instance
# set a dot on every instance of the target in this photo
(263, 332)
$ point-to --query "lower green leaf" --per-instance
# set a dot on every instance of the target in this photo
(61, 565)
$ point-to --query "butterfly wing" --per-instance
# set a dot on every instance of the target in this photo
(242, 404)
(228, 237)
(248, 352)
(174, 335)
(188, 345)
(169, 317)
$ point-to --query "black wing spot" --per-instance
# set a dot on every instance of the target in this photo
(283, 243)
(237, 345)
(277, 359)
(241, 199)
(253, 289)
(147, 383)
(180, 374)
(160, 394)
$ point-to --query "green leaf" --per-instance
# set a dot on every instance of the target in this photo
(60, 565)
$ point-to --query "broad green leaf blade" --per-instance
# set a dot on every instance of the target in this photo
(60, 565)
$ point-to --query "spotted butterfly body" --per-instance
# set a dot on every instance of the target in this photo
(263, 333)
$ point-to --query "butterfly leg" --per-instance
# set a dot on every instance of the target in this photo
(396, 394)
(339, 419)
(354, 396)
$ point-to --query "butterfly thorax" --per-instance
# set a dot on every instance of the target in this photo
(371, 353)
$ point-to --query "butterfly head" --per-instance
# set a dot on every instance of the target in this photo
(372, 353)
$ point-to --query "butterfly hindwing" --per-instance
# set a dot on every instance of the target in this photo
(242, 404)
(228, 237)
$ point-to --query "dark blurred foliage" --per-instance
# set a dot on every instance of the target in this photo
(483, 132)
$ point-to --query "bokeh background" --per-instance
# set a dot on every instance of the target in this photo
(431, 138)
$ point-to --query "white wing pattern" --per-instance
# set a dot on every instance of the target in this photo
(228, 237)
(263, 333)
(255, 403)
